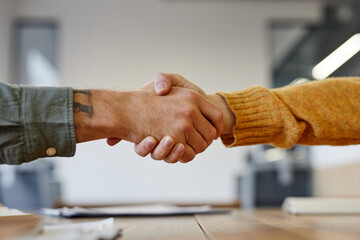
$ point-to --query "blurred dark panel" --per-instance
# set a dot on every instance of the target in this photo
(341, 22)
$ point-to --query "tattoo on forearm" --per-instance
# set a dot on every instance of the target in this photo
(87, 92)
(78, 107)
(83, 107)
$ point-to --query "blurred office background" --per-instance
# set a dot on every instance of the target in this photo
(220, 45)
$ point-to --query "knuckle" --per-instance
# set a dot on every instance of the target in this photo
(190, 95)
(193, 95)
(185, 127)
(189, 112)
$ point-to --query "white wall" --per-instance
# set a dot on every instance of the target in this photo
(6, 9)
(324, 157)
(219, 45)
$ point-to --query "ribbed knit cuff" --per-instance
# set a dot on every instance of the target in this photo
(257, 120)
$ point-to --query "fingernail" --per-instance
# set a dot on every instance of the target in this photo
(179, 149)
(160, 86)
(167, 142)
(149, 144)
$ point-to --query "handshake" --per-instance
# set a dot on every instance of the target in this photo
(171, 118)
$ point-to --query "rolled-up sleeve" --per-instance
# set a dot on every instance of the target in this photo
(35, 122)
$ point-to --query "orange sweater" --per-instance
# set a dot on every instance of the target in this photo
(325, 112)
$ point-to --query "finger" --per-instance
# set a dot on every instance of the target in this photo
(179, 81)
(196, 141)
(162, 84)
(164, 81)
(205, 128)
(113, 141)
(213, 113)
(163, 148)
(175, 154)
(146, 146)
(188, 155)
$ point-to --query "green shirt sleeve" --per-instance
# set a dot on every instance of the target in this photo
(35, 122)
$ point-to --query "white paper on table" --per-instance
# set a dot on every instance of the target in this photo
(140, 210)
(7, 212)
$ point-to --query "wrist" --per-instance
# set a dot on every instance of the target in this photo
(98, 114)
(229, 117)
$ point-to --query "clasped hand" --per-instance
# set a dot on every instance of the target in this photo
(175, 119)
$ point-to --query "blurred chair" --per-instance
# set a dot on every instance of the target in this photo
(272, 174)
(29, 186)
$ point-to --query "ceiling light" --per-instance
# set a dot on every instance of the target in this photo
(337, 58)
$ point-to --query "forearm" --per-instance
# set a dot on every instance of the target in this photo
(326, 112)
(86, 122)
(318, 113)
(100, 114)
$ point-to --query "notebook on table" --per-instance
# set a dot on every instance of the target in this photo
(314, 205)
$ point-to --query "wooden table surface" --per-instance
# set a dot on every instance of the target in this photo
(239, 224)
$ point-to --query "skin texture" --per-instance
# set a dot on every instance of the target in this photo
(163, 84)
(134, 115)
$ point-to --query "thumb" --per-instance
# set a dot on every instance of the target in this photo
(164, 81)
(162, 84)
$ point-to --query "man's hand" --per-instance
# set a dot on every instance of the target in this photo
(162, 85)
(136, 114)
(184, 114)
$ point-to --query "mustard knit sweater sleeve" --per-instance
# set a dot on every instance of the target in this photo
(325, 112)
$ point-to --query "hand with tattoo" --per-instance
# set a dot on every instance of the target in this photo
(183, 117)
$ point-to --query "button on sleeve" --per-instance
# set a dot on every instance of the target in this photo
(50, 151)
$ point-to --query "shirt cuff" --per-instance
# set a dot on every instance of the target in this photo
(48, 125)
